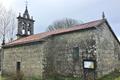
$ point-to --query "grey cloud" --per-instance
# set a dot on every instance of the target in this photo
(47, 11)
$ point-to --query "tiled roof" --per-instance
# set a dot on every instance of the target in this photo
(40, 36)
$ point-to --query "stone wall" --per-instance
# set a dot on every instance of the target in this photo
(0, 57)
(55, 55)
(107, 51)
(60, 47)
(30, 57)
(59, 52)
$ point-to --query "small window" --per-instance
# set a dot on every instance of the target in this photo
(76, 53)
(118, 56)
(18, 66)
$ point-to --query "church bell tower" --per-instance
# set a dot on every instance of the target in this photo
(25, 25)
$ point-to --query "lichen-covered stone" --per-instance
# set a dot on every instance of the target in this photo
(55, 55)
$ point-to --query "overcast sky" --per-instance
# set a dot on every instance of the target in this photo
(47, 11)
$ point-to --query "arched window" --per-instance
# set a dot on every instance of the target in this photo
(23, 30)
(29, 29)
(28, 32)
(22, 23)
(28, 24)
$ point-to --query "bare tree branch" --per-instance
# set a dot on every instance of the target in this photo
(7, 23)
(64, 23)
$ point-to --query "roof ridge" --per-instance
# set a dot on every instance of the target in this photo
(89, 22)
(42, 35)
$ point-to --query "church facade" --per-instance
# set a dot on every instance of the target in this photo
(61, 51)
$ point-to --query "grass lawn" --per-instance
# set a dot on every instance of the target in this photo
(1, 78)
(112, 76)
(117, 78)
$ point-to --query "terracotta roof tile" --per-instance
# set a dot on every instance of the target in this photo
(40, 36)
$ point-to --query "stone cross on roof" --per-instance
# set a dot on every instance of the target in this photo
(26, 3)
(103, 15)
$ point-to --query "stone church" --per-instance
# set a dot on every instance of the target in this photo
(61, 51)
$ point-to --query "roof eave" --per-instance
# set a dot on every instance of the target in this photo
(20, 44)
(112, 31)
